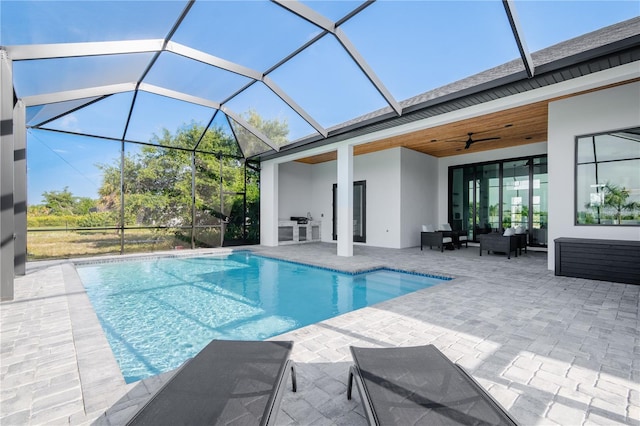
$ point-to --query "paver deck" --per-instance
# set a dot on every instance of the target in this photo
(551, 350)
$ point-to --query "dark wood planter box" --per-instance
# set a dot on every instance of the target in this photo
(607, 260)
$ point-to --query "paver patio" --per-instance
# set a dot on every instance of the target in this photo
(551, 350)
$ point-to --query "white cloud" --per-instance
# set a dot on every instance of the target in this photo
(70, 123)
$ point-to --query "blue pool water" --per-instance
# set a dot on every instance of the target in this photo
(157, 313)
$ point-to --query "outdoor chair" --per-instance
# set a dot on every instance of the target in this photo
(458, 236)
(420, 386)
(430, 237)
(227, 382)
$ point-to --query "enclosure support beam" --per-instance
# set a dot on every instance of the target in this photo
(518, 34)
(7, 245)
(20, 188)
(344, 211)
(121, 224)
(193, 200)
(269, 204)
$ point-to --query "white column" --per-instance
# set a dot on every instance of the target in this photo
(345, 201)
(269, 204)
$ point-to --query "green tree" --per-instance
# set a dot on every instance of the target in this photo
(158, 181)
(616, 199)
(59, 202)
(276, 130)
(84, 205)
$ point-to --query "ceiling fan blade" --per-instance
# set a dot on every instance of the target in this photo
(469, 142)
(486, 139)
(472, 141)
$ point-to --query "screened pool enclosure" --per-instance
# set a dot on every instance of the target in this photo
(140, 125)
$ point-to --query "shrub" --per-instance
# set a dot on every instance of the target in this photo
(96, 220)
(52, 221)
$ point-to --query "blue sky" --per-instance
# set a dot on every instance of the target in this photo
(413, 47)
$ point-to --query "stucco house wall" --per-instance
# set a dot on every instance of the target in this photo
(606, 110)
(419, 195)
(294, 197)
(401, 187)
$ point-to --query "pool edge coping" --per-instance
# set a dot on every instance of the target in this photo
(227, 251)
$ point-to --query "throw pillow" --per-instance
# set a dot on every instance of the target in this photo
(509, 232)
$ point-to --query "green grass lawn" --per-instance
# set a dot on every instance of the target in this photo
(64, 244)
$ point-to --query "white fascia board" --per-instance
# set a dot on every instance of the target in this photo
(615, 75)
(205, 58)
(69, 50)
(70, 95)
(178, 95)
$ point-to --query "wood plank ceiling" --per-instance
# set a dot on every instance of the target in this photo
(516, 126)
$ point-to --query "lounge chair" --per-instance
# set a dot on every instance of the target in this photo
(228, 382)
(419, 385)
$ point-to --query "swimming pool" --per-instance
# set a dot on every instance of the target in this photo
(156, 313)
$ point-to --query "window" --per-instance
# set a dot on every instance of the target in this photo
(608, 178)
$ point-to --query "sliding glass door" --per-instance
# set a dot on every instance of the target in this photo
(475, 199)
(487, 197)
(492, 196)
(515, 194)
(539, 209)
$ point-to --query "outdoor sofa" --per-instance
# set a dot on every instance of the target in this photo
(499, 243)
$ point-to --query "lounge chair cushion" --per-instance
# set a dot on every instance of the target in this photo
(420, 386)
(445, 227)
(227, 382)
(509, 232)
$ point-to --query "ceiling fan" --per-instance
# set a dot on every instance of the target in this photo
(471, 141)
